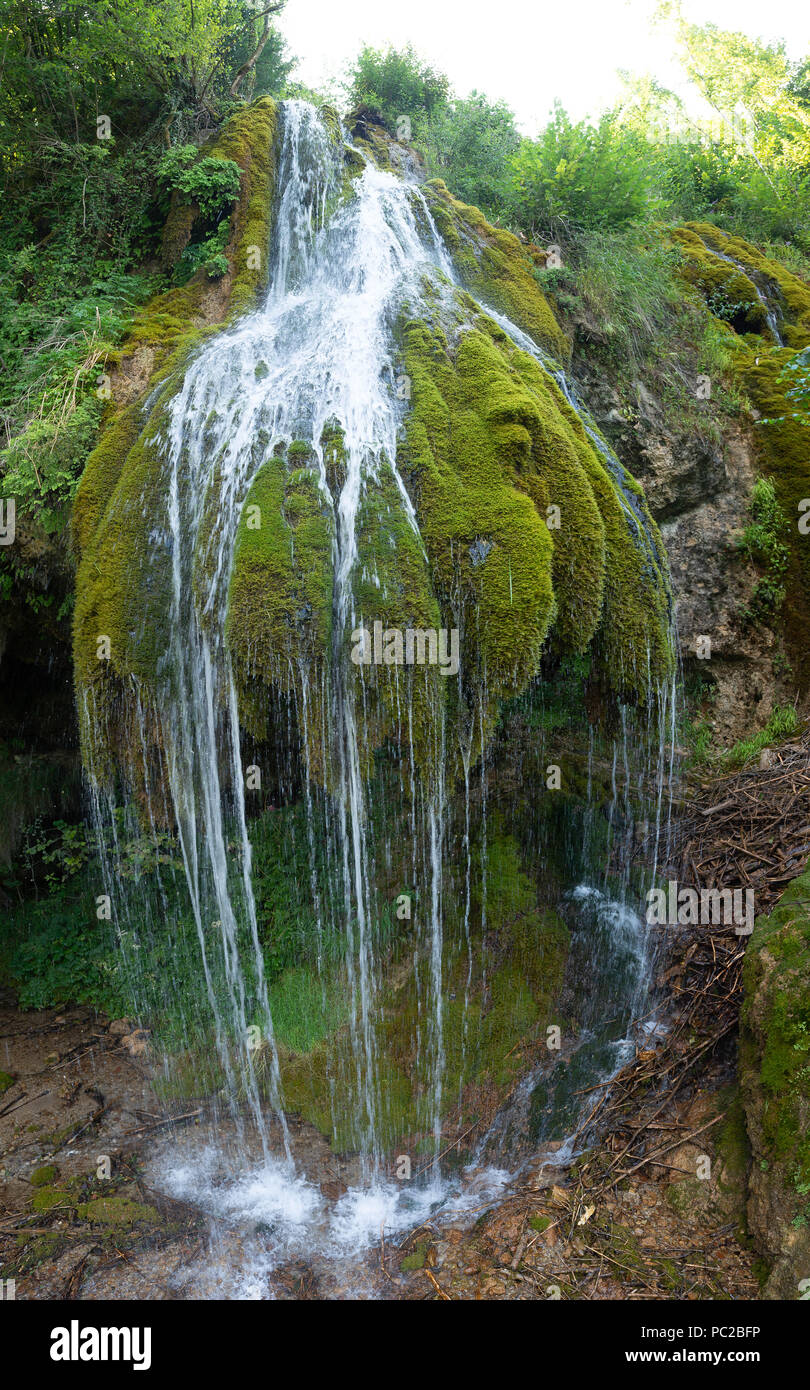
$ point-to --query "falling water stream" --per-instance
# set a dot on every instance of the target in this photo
(320, 349)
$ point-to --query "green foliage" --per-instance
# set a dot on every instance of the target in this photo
(580, 175)
(67, 293)
(306, 1009)
(469, 143)
(212, 183)
(796, 382)
(61, 954)
(139, 62)
(58, 851)
(764, 540)
(398, 83)
(208, 253)
(783, 722)
(626, 281)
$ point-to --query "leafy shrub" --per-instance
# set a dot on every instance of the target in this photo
(212, 183)
(764, 541)
(470, 143)
(398, 83)
(66, 957)
(210, 254)
(580, 176)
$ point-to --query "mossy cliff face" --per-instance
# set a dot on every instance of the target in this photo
(528, 540)
(775, 1080)
(782, 442)
(494, 266)
(117, 513)
(531, 542)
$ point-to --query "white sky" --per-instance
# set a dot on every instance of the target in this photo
(527, 52)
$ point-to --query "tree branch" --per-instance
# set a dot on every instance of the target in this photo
(254, 57)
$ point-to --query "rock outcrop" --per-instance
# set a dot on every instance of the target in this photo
(775, 1080)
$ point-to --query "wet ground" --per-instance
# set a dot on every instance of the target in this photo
(102, 1196)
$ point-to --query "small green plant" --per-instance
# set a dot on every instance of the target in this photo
(782, 723)
(210, 254)
(212, 183)
(764, 543)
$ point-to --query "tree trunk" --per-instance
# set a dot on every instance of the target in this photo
(255, 56)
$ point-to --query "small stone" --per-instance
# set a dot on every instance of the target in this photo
(136, 1043)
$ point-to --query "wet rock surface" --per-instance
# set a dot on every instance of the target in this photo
(698, 488)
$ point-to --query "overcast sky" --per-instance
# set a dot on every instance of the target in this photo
(527, 52)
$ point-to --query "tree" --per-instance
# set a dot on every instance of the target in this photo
(753, 86)
(67, 61)
(470, 143)
(580, 176)
(398, 83)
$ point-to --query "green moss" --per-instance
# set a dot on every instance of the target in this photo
(793, 293)
(495, 267)
(50, 1196)
(497, 1000)
(35, 1251)
(117, 1211)
(6, 1082)
(114, 512)
(781, 440)
(279, 617)
(491, 448)
(732, 1144)
(44, 1176)
(493, 457)
(775, 1047)
(540, 1223)
(417, 1257)
(785, 457)
(729, 292)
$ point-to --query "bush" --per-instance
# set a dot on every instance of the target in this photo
(470, 144)
(580, 176)
(212, 183)
(398, 83)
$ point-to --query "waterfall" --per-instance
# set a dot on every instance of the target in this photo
(311, 376)
(771, 317)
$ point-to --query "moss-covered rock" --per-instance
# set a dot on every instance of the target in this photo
(117, 1211)
(528, 536)
(733, 277)
(496, 268)
(45, 1175)
(775, 1080)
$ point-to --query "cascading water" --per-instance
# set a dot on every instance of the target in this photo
(771, 317)
(316, 362)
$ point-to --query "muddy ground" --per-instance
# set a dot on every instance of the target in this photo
(80, 1126)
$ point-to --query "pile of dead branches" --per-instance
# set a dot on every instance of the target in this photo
(703, 981)
(750, 829)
